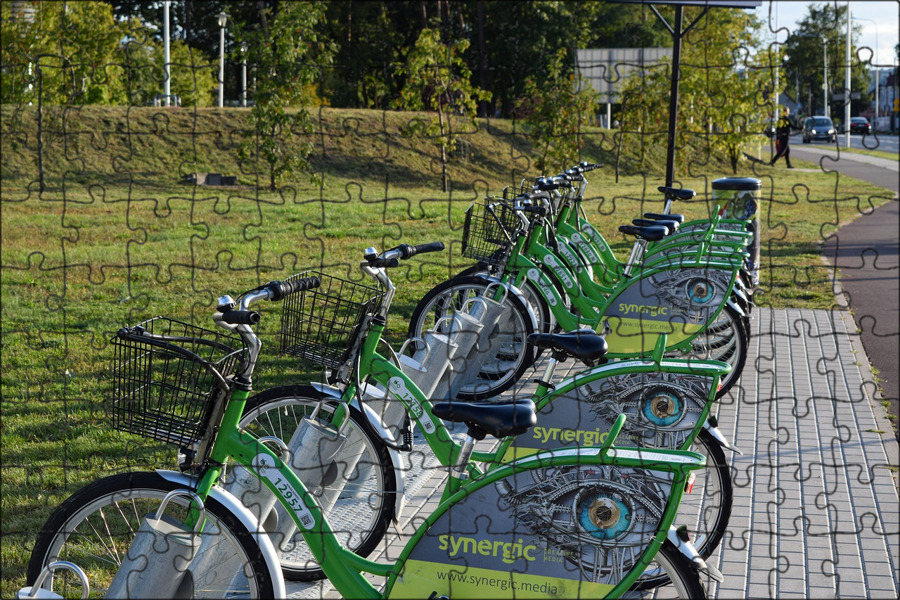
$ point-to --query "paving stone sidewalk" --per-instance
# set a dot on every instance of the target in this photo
(816, 508)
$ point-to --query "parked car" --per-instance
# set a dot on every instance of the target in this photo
(860, 125)
(818, 128)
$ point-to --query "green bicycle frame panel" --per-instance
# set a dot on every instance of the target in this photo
(527, 529)
(677, 297)
(666, 404)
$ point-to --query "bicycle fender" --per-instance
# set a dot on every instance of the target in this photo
(737, 308)
(375, 422)
(378, 426)
(234, 506)
(514, 290)
(688, 550)
(720, 438)
(736, 290)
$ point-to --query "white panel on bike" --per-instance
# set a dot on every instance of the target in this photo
(158, 560)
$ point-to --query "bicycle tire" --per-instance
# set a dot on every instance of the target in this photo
(364, 509)
(728, 340)
(680, 571)
(707, 522)
(105, 516)
(545, 318)
(513, 355)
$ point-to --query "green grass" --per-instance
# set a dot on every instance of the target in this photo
(117, 236)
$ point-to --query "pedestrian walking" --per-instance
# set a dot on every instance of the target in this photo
(783, 131)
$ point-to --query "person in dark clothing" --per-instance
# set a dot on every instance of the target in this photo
(783, 130)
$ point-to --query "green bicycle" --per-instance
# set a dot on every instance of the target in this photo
(611, 514)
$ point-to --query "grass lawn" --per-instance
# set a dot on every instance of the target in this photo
(117, 236)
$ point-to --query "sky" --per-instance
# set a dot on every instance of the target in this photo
(881, 16)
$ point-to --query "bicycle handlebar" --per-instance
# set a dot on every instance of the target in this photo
(240, 317)
(391, 258)
(279, 290)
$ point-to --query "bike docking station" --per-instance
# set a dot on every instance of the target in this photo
(39, 592)
(172, 547)
(443, 363)
(317, 455)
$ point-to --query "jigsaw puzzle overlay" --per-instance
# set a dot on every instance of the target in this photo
(120, 204)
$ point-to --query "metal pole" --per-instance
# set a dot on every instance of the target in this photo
(167, 55)
(847, 83)
(673, 94)
(244, 80)
(222, 19)
(825, 109)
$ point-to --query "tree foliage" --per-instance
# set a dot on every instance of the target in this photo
(821, 36)
(555, 110)
(438, 79)
(725, 90)
(78, 53)
(288, 54)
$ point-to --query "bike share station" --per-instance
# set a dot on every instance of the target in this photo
(440, 364)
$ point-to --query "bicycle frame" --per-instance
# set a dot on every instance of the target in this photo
(626, 335)
(344, 568)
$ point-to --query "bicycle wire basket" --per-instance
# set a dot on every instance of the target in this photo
(488, 232)
(319, 324)
(166, 378)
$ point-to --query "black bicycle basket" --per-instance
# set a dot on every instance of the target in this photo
(166, 377)
(488, 232)
(318, 325)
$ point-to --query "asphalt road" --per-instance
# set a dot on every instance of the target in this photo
(866, 254)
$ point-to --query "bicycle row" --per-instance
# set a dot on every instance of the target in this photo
(301, 482)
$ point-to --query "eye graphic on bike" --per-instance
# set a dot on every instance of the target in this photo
(700, 290)
(662, 407)
(603, 515)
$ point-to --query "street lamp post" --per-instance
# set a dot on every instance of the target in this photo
(875, 58)
(222, 19)
(167, 56)
(825, 109)
(847, 82)
(244, 74)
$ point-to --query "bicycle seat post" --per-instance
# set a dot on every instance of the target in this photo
(459, 470)
(637, 255)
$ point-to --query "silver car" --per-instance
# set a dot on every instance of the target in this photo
(818, 128)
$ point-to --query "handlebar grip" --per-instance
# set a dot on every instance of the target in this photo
(538, 210)
(240, 317)
(407, 251)
(586, 166)
(281, 289)
(386, 263)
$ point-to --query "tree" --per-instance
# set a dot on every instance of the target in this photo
(555, 109)
(288, 54)
(438, 79)
(66, 53)
(819, 38)
(724, 91)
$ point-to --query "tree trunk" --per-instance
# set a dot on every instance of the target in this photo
(444, 179)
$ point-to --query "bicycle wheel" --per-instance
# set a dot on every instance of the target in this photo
(546, 321)
(706, 510)
(365, 506)
(686, 581)
(95, 527)
(726, 339)
(510, 353)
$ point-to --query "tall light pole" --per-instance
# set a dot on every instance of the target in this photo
(222, 19)
(167, 59)
(825, 109)
(875, 58)
(244, 74)
(847, 83)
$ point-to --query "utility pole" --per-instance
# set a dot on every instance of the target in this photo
(847, 83)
